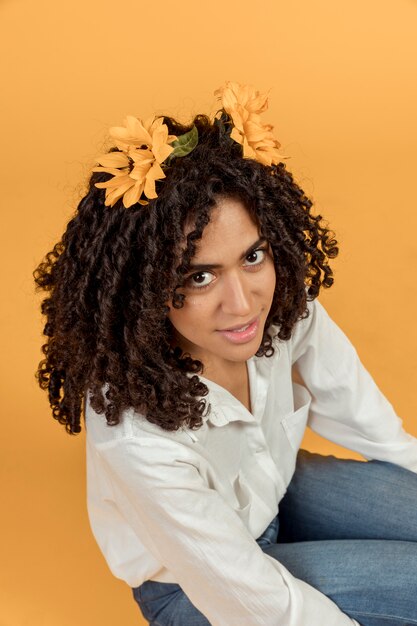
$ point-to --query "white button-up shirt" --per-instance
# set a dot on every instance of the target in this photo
(187, 506)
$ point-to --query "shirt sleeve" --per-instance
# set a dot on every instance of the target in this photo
(192, 531)
(347, 407)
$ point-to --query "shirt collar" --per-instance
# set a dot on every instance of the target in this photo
(225, 408)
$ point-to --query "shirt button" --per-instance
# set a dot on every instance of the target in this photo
(260, 449)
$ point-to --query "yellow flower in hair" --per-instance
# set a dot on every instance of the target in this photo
(135, 168)
(244, 105)
(143, 147)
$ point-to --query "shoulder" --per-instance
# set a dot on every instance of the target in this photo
(309, 330)
(133, 427)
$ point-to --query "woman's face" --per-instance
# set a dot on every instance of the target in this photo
(228, 291)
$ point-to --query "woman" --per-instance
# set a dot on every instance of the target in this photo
(183, 317)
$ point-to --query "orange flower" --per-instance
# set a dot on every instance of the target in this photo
(244, 105)
(136, 167)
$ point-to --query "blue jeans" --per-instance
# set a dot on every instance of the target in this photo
(362, 515)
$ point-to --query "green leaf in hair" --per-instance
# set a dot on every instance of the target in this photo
(184, 144)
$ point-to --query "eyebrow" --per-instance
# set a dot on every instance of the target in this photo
(214, 266)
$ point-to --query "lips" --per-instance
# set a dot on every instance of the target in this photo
(240, 326)
(242, 334)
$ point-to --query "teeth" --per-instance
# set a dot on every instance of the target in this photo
(240, 330)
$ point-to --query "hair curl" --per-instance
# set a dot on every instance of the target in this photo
(110, 276)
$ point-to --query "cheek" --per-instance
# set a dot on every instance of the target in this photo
(270, 280)
(195, 309)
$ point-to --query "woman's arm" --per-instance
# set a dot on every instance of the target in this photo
(201, 540)
(347, 406)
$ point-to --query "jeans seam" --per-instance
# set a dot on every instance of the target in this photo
(143, 604)
(356, 613)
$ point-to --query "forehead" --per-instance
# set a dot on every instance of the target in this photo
(231, 227)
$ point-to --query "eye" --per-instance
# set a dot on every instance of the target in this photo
(199, 280)
(256, 257)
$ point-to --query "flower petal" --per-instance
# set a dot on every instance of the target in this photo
(264, 157)
(157, 123)
(133, 194)
(138, 155)
(141, 170)
(248, 151)
(228, 94)
(229, 101)
(254, 132)
(110, 170)
(113, 195)
(150, 188)
(115, 181)
(148, 124)
(155, 172)
(162, 152)
(132, 133)
(160, 148)
(113, 159)
(258, 103)
(237, 120)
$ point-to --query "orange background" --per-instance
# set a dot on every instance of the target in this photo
(343, 101)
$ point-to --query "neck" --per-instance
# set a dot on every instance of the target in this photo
(236, 381)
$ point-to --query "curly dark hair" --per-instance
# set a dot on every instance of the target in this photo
(110, 277)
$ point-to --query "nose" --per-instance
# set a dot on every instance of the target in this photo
(236, 299)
